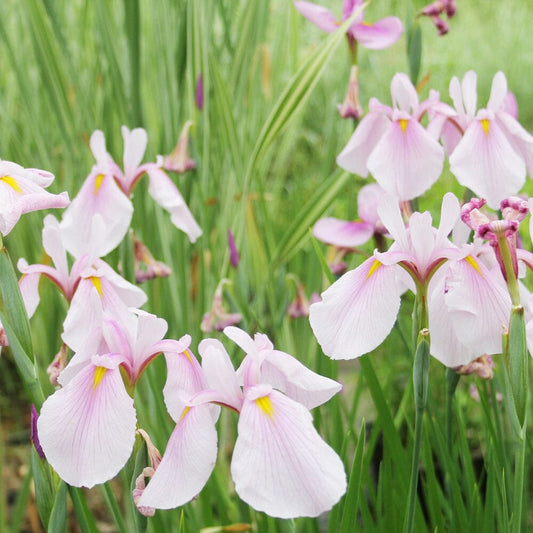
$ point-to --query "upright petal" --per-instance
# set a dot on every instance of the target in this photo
(403, 92)
(135, 142)
(87, 428)
(280, 464)
(358, 311)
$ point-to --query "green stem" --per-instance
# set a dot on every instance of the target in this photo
(420, 383)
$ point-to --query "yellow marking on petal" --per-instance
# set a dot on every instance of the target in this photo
(97, 284)
(12, 183)
(99, 374)
(185, 411)
(98, 183)
(266, 406)
(187, 354)
(375, 265)
(485, 123)
(473, 263)
(367, 24)
(403, 124)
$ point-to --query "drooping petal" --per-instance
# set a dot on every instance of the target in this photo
(320, 16)
(355, 154)
(187, 463)
(346, 234)
(87, 428)
(99, 195)
(280, 464)
(378, 35)
(358, 311)
(407, 160)
(485, 162)
(166, 194)
(445, 345)
(285, 373)
(479, 305)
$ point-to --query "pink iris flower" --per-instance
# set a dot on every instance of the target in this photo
(468, 302)
(22, 191)
(490, 151)
(358, 311)
(404, 157)
(106, 193)
(87, 427)
(378, 35)
(280, 464)
(91, 288)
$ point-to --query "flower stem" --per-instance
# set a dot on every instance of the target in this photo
(420, 383)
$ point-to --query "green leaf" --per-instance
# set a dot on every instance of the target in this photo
(45, 492)
(414, 50)
(58, 517)
(12, 305)
(84, 516)
(351, 502)
(518, 360)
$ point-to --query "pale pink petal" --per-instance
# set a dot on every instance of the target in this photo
(379, 35)
(87, 428)
(456, 95)
(498, 92)
(358, 311)
(485, 162)
(355, 154)
(403, 92)
(219, 372)
(445, 345)
(520, 139)
(185, 377)
(53, 245)
(187, 462)
(320, 16)
(406, 161)
(280, 464)
(346, 234)
(29, 289)
(99, 195)
(166, 194)
(285, 373)
(469, 92)
(241, 339)
(479, 304)
(135, 142)
(389, 213)
(99, 150)
(449, 215)
(368, 200)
